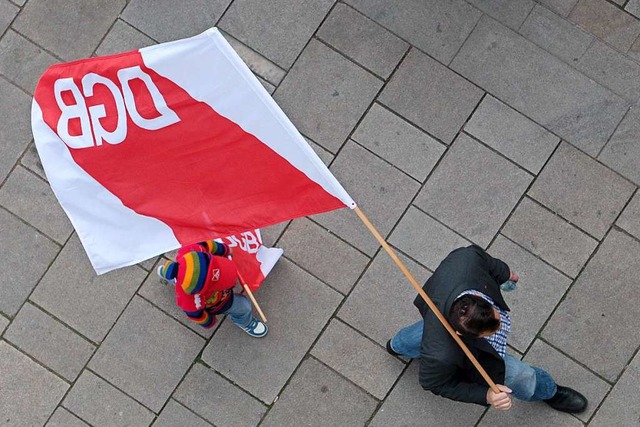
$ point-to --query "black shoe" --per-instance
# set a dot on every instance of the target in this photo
(567, 400)
(392, 351)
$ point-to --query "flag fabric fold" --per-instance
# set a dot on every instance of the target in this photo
(172, 144)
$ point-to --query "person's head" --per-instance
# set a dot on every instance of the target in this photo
(472, 316)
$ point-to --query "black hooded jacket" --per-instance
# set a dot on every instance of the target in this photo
(444, 368)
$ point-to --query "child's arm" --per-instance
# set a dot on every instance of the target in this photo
(216, 248)
(202, 318)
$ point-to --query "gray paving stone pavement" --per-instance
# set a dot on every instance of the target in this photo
(513, 124)
(228, 406)
(545, 234)
(555, 95)
(555, 34)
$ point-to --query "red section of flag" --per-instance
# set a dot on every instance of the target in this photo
(202, 176)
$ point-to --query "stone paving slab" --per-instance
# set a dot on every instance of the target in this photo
(4, 322)
(122, 37)
(633, 7)
(425, 239)
(70, 30)
(629, 220)
(256, 62)
(175, 414)
(381, 191)
(634, 50)
(163, 21)
(73, 293)
(322, 254)
(99, 403)
(23, 62)
(298, 306)
(50, 342)
(437, 27)
(316, 396)
(358, 359)
(622, 153)
(561, 7)
(164, 297)
(342, 90)
(556, 35)
(581, 190)
(279, 29)
(570, 374)
(382, 279)
(418, 78)
(217, 400)
(539, 291)
(511, 13)
(473, 190)
(512, 134)
(8, 12)
(623, 403)
(361, 39)
(25, 268)
(550, 237)
(22, 190)
(556, 96)
(29, 392)
(15, 125)
(598, 305)
(31, 161)
(607, 22)
(612, 69)
(63, 418)
(409, 405)
(146, 354)
(399, 142)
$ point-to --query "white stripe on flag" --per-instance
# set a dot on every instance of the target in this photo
(231, 88)
(124, 237)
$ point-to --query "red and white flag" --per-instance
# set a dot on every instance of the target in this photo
(253, 260)
(172, 144)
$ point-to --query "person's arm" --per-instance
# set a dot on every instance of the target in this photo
(441, 379)
(216, 248)
(497, 268)
(202, 318)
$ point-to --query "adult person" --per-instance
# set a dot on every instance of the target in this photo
(466, 289)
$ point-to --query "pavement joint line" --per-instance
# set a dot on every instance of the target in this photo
(517, 30)
(532, 175)
(344, 55)
(610, 137)
(36, 361)
(387, 162)
(447, 65)
(340, 374)
(38, 45)
(301, 267)
(102, 39)
(576, 361)
(93, 371)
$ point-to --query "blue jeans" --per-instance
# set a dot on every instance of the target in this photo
(528, 382)
(239, 311)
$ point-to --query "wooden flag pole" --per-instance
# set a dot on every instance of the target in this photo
(426, 299)
(247, 290)
(253, 300)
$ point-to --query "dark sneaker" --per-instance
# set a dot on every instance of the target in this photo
(567, 400)
(391, 351)
(256, 328)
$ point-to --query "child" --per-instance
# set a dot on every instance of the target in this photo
(203, 278)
